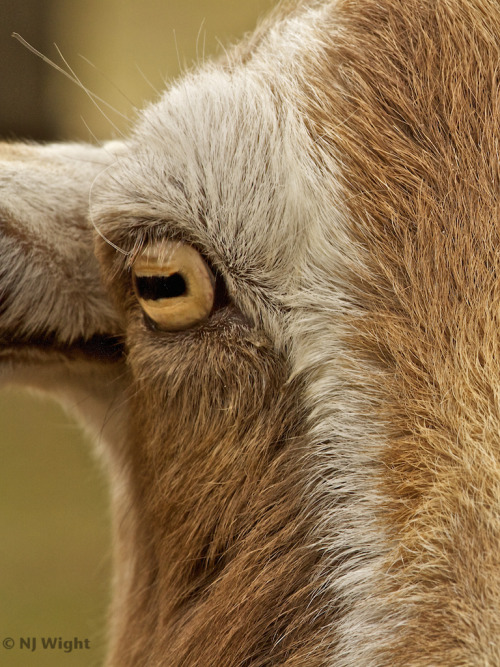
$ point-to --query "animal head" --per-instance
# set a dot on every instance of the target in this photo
(279, 296)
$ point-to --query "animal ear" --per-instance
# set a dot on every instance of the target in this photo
(49, 276)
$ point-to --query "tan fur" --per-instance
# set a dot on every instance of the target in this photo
(417, 85)
(312, 476)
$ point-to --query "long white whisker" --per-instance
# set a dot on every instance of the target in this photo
(73, 78)
(92, 134)
(198, 41)
(147, 80)
(91, 218)
(181, 67)
(110, 81)
(219, 42)
(93, 98)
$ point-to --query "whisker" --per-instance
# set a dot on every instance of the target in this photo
(92, 134)
(114, 407)
(226, 52)
(198, 41)
(158, 92)
(74, 79)
(110, 81)
(91, 217)
(93, 97)
(182, 67)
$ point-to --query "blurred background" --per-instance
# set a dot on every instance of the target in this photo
(55, 552)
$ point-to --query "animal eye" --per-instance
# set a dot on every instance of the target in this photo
(174, 285)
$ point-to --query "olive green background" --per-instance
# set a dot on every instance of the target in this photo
(55, 552)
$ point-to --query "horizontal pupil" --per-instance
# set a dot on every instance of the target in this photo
(152, 288)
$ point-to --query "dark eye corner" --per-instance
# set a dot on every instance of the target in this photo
(221, 294)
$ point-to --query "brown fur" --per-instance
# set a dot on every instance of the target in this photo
(310, 478)
(223, 566)
(408, 99)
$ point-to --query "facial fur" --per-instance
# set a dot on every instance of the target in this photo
(310, 476)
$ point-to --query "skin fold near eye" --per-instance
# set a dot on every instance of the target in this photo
(174, 285)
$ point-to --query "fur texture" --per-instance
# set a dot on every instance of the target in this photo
(311, 477)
